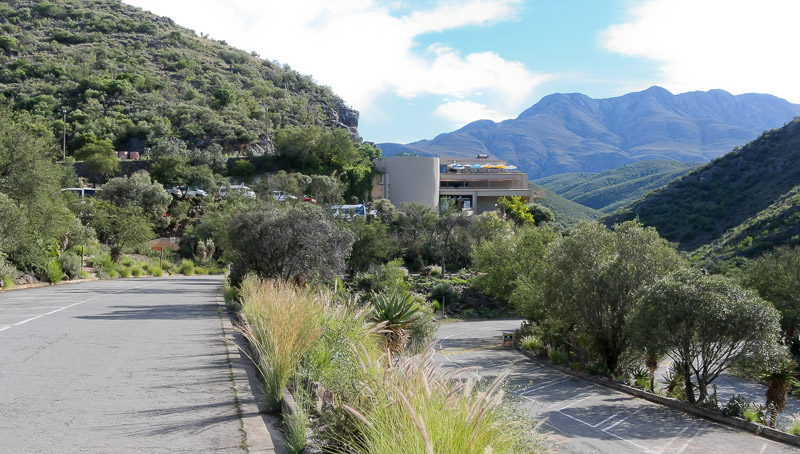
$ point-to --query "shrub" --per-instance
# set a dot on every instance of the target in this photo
(71, 264)
(739, 407)
(201, 270)
(422, 329)
(53, 271)
(396, 311)
(166, 265)
(83, 274)
(154, 270)
(113, 274)
(436, 271)
(444, 293)
(283, 322)
(531, 343)
(124, 272)
(8, 282)
(413, 408)
(794, 426)
(137, 271)
(559, 356)
(186, 267)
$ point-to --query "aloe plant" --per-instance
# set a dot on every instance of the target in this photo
(396, 311)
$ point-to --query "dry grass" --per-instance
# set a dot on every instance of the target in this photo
(283, 323)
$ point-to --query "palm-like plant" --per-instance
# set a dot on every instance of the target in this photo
(395, 311)
(651, 362)
(779, 380)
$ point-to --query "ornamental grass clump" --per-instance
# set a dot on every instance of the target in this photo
(414, 408)
(283, 323)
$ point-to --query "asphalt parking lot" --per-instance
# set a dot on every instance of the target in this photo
(582, 417)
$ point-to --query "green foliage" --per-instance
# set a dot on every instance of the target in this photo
(54, 272)
(71, 265)
(707, 324)
(243, 170)
(517, 210)
(558, 356)
(612, 189)
(708, 205)
(593, 280)
(131, 77)
(154, 270)
(395, 309)
(776, 278)
(566, 212)
(531, 343)
(140, 191)
(186, 267)
(371, 244)
(541, 213)
(285, 242)
(120, 226)
(388, 278)
(444, 293)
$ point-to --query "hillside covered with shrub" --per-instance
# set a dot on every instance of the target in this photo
(740, 204)
(610, 190)
(132, 77)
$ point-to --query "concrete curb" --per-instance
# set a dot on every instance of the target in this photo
(261, 429)
(675, 404)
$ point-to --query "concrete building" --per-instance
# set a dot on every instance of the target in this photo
(472, 184)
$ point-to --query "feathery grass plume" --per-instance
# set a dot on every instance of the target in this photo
(414, 408)
(283, 323)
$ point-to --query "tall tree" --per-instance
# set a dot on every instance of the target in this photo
(594, 278)
(707, 324)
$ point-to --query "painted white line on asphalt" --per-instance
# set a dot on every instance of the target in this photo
(763, 449)
(554, 382)
(606, 420)
(674, 439)
(643, 448)
(622, 420)
(75, 304)
(577, 401)
(685, 445)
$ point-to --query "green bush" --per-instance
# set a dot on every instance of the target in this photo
(531, 343)
(166, 265)
(154, 270)
(137, 271)
(794, 426)
(8, 282)
(201, 270)
(83, 274)
(559, 356)
(113, 274)
(71, 264)
(444, 293)
(186, 268)
(54, 272)
(422, 328)
(124, 272)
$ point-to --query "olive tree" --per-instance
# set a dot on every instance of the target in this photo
(593, 279)
(138, 190)
(286, 242)
(706, 325)
(120, 226)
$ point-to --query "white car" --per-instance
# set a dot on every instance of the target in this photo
(237, 188)
(196, 192)
(281, 196)
(174, 192)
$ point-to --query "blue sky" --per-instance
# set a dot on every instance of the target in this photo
(415, 69)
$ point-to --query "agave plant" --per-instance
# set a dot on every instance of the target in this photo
(395, 311)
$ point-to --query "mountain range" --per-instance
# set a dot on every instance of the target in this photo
(738, 205)
(607, 191)
(575, 133)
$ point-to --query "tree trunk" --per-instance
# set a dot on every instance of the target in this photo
(687, 381)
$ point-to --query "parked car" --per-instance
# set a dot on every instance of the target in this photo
(309, 199)
(196, 192)
(348, 211)
(237, 188)
(281, 196)
(174, 191)
(82, 192)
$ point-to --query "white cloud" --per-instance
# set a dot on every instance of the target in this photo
(364, 48)
(462, 112)
(737, 45)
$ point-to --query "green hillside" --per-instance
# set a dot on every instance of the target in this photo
(567, 213)
(612, 189)
(749, 192)
(130, 76)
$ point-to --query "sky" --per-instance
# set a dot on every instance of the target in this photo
(415, 69)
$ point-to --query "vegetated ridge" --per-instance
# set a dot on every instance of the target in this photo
(740, 204)
(613, 189)
(574, 133)
(567, 213)
(132, 77)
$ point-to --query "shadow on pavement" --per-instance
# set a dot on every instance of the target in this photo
(158, 312)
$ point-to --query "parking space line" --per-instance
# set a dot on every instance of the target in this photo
(674, 439)
(622, 420)
(574, 402)
(544, 385)
(763, 449)
(643, 448)
(73, 305)
(606, 420)
(685, 445)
